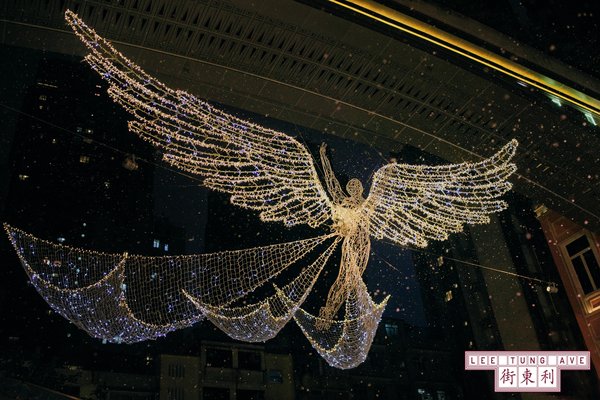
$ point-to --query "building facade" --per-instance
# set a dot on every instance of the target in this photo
(576, 254)
(227, 371)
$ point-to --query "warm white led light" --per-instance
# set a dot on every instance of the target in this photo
(270, 172)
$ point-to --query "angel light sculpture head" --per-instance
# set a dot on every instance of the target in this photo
(125, 298)
(354, 188)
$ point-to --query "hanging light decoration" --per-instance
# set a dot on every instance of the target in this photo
(121, 299)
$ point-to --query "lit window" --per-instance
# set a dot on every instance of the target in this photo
(584, 263)
(43, 97)
(156, 244)
(391, 329)
(23, 177)
(424, 394)
(275, 376)
(84, 159)
(166, 247)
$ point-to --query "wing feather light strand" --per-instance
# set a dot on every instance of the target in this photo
(262, 169)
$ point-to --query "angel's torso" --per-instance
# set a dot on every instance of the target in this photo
(348, 220)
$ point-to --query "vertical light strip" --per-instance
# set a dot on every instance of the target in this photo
(414, 27)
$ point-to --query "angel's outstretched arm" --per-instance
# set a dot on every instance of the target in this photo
(333, 185)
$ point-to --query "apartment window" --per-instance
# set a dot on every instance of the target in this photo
(219, 358)
(175, 393)
(275, 376)
(242, 394)
(176, 370)
(424, 394)
(377, 359)
(156, 243)
(419, 365)
(210, 393)
(584, 263)
(391, 329)
(84, 159)
(249, 360)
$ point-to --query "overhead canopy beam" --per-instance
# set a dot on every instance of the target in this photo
(431, 34)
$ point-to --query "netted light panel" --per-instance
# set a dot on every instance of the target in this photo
(262, 320)
(344, 343)
(122, 298)
(87, 288)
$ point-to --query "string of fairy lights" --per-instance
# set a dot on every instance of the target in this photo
(132, 298)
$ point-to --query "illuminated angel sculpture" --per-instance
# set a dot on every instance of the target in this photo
(121, 297)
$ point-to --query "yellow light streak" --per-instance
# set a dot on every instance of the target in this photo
(414, 27)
